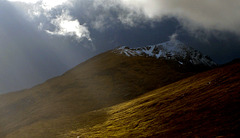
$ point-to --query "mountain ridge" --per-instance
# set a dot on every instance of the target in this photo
(79, 97)
(102, 81)
(170, 50)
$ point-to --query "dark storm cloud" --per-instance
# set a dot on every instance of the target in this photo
(212, 27)
(219, 15)
(110, 23)
(200, 18)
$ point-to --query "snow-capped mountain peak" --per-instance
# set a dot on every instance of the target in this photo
(170, 50)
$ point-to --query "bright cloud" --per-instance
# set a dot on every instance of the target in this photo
(66, 25)
(46, 4)
(25, 1)
(62, 23)
(49, 4)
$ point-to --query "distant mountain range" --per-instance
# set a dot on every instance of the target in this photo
(85, 95)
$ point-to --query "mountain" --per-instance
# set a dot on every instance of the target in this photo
(171, 50)
(66, 102)
(204, 105)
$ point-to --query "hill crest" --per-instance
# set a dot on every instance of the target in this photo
(102, 81)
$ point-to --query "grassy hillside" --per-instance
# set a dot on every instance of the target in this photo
(65, 103)
(204, 105)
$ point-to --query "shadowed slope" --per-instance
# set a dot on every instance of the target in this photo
(59, 104)
(204, 105)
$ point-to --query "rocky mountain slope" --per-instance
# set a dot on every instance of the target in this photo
(65, 103)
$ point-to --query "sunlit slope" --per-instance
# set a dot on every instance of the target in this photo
(205, 105)
(58, 104)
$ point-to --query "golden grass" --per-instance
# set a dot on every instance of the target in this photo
(205, 105)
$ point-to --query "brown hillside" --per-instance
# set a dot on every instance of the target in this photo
(59, 104)
(204, 105)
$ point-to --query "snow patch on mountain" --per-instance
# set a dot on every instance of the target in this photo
(170, 50)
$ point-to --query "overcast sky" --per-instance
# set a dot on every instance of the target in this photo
(40, 39)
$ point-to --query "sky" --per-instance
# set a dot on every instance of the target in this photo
(40, 39)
